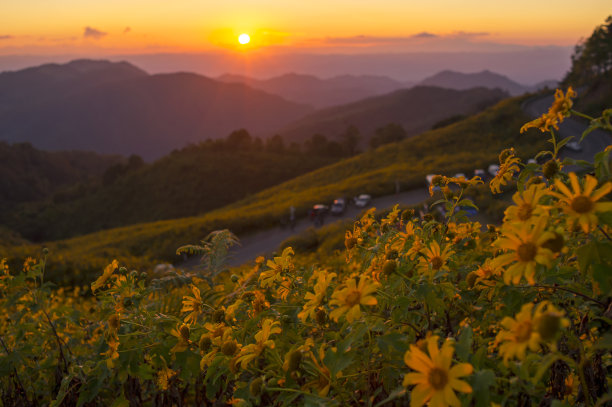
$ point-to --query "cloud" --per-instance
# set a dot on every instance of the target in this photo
(6, 37)
(93, 33)
(425, 34)
(127, 30)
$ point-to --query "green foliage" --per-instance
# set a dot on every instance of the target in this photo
(461, 147)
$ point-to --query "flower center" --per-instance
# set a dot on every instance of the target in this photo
(353, 298)
(525, 211)
(436, 262)
(527, 252)
(438, 378)
(582, 204)
(522, 332)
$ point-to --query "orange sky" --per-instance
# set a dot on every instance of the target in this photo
(116, 26)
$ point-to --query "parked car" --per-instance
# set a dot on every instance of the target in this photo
(318, 214)
(459, 175)
(493, 169)
(338, 207)
(532, 161)
(574, 146)
(480, 173)
(470, 211)
(362, 200)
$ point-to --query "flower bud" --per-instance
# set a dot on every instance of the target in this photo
(205, 343)
(113, 322)
(391, 254)
(229, 347)
(389, 267)
(350, 243)
(184, 331)
(235, 278)
(555, 244)
(550, 168)
(218, 315)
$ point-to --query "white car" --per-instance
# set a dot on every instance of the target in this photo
(362, 200)
(479, 173)
(493, 169)
(460, 175)
(574, 146)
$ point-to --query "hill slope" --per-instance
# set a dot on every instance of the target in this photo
(142, 114)
(189, 182)
(318, 92)
(28, 174)
(416, 109)
(471, 143)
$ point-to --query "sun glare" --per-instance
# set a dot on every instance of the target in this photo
(244, 39)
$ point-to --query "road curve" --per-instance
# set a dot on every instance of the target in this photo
(267, 241)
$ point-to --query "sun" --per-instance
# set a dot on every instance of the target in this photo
(244, 39)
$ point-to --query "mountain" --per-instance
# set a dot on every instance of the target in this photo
(51, 82)
(318, 92)
(416, 109)
(116, 108)
(461, 81)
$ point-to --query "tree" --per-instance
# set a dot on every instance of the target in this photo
(275, 144)
(592, 58)
(350, 140)
(390, 133)
(239, 140)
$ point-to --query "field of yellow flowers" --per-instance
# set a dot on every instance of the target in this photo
(413, 312)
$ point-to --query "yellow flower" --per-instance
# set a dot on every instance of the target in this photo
(193, 305)
(556, 113)
(435, 259)
(519, 334)
(524, 243)
(323, 381)
(505, 173)
(436, 381)
(112, 353)
(108, 271)
(487, 271)
(163, 377)
(182, 334)
(314, 300)
(581, 204)
(351, 296)
(527, 204)
(277, 267)
(262, 338)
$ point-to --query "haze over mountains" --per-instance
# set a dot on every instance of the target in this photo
(318, 92)
(117, 108)
(416, 109)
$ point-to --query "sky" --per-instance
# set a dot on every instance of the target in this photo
(320, 26)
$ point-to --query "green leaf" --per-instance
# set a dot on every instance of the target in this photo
(605, 217)
(463, 348)
(602, 275)
(564, 142)
(481, 385)
(121, 401)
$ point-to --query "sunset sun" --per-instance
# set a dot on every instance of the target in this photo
(244, 39)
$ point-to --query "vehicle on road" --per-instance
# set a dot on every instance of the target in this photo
(460, 175)
(362, 200)
(338, 207)
(318, 214)
(574, 146)
(493, 169)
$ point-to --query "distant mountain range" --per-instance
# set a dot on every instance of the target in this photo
(461, 81)
(416, 109)
(318, 92)
(117, 108)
